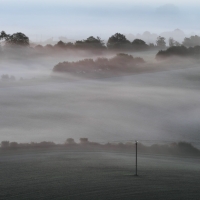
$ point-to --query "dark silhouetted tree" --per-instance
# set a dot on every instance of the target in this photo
(94, 42)
(161, 44)
(5, 144)
(192, 41)
(173, 42)
(118, 41)
(4, 36)
(90, 43)
(17, 39)
(60, 44)
(139, 44)
(69, 141)
(173, 51)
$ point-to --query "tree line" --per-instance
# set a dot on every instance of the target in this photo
(174, 148)
(180, 51)
(101, 66)
(117, 41)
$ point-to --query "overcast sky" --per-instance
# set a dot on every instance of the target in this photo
(80, 19)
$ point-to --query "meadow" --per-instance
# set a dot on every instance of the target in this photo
(74, 174)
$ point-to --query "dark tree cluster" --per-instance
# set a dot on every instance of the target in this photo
(161, 44)
(120, 63)
(192, 41)
(90, 43)
(180, 148)
(138, 44)
(181, 51)
(6, 77)
(15, 145)
(118, 41)
(16, 39)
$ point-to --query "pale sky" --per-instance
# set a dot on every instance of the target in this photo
(79, 19)
(195, 2)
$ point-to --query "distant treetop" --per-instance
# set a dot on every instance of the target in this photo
(90, 42)
(191, 41)
(118, 40)
(19, 39)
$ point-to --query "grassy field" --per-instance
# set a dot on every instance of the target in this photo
(61, 174)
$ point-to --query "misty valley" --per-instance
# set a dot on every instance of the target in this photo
(114, 91)
(71, 114)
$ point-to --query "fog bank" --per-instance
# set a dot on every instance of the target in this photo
(149, 106)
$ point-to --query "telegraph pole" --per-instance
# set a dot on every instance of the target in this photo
(136, 158)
